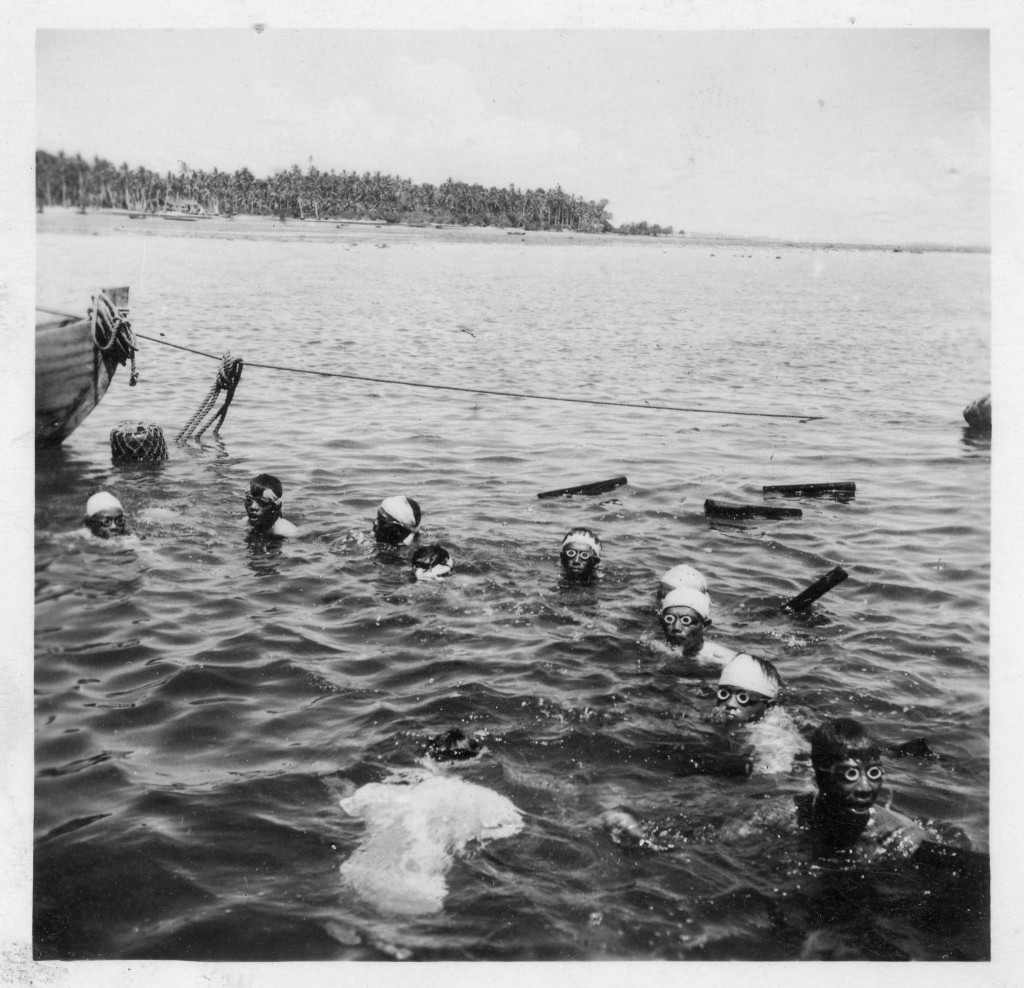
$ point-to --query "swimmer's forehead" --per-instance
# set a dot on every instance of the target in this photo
(578, 544)
(857, 760)
(678, 610)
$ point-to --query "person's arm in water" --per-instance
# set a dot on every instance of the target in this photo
(283, 528)
(894, 833)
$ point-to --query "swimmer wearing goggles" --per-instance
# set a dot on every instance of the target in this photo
(104, 516)
(264, 507)
(684, 614)
(747, 688)
(580, 555)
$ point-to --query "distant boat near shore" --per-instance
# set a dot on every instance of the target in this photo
(187, 210)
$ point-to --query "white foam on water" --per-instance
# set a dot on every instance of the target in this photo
(776, 741)
(413, 833)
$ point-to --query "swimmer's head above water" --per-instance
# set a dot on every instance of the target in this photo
(104, 516)
(682, 575)
(848, 772)
(452, 746)
(430, 562)
(398, 520)
(263, 502)
(747, 688)
(580, 554)
(684, 614)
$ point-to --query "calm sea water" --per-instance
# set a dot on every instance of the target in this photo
(204, 703)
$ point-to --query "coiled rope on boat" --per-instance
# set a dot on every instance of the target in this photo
(227, 379)
(485, 391)
(112, 333)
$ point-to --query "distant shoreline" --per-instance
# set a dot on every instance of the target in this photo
(900, 248)
(221, 225)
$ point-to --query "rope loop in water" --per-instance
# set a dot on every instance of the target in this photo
(228, 376)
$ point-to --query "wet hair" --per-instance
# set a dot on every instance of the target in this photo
(770, 672)
(842, 738)
(266, 481)
(452, 746)
(429, 556)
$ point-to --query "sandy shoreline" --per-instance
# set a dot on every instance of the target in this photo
(66, 219)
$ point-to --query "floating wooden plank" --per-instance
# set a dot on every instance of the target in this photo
(597, 487)
(719, 509)
(812, 490)
(818, 588)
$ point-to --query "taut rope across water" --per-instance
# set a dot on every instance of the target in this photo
(485, 391)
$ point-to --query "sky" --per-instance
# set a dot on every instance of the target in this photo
(875, 135)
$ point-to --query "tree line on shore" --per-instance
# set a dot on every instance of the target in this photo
(62, 180)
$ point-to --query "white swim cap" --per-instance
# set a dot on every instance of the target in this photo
(746, 673)
(684, 576)
(688, 597)
(101, 502)
(403, 510)
(586, 536)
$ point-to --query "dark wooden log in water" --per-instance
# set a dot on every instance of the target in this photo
(597, 487)
(812, 490)
(819, 587)
(719, 509)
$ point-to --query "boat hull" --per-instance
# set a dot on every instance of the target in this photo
(72, 373)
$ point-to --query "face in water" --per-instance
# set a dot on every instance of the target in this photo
(262, 507)
(852, 785)
(389, 531)
(684, 628)
(741, 706)
(579, 559)
(107, 522)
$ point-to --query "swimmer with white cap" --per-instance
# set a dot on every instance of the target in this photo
(398, 520)
(580, 554)
(685, 613)
(104, 516)
(430, 562)
(747, 688)
(264, 505)
(682, 575)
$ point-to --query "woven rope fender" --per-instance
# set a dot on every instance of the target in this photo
(137, 442)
